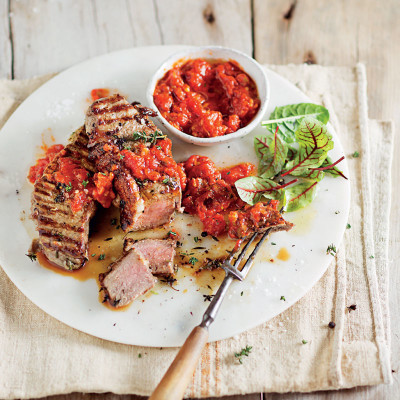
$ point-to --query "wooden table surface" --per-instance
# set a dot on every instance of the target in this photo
(45, 36)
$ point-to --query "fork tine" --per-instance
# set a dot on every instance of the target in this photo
(250, 260)
(243, 252)
(233, 270)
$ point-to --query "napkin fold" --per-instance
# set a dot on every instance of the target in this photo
(41, 356)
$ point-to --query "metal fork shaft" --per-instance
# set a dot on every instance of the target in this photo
(212, 309)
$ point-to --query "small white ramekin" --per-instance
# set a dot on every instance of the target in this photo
(248, 64)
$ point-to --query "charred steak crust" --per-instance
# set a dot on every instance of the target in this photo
(63, 234)
(159, 253)
(126, 279)
(113, 118)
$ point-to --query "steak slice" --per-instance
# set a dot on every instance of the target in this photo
(159, 253)
(63, 234)
(113, 126)
(257, 218)
(128, 278)
(159, 204)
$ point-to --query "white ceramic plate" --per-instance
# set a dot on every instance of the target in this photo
(58, 108)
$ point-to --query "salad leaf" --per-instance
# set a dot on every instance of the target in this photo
(253, 188)
(332, 170)
(300, 195)
(313, 174)
(298, 145)
(314, 143)
(261, 146)
(288, 118)
(273, 157)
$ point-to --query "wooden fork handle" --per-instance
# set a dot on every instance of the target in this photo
(178, 375)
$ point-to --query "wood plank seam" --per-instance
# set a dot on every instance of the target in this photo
(253, 51)
(157, 15)
(10, 35)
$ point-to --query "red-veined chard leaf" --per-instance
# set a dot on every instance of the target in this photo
(253, 188)
(313, 174)
(300, 195)
(289, 117)
(272, 152)
(329, 167)
(261, 146)
(314, 143)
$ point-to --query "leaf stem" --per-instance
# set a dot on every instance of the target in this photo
(329, 166)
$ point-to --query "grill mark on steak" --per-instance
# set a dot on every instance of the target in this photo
(103, 119)
(51, 223)
(63, 235)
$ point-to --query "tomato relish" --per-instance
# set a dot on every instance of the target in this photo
(154, 163)
(36, 171)
(207, 98)
(99, 93)
(210, 192)
(76, 182)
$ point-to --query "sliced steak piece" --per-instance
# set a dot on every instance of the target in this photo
(63, 234)
(160, 202)
(257, 218)
(128, 278)
(159, 253)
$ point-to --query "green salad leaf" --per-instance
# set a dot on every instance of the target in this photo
(301, 195)
(314, 143)
(288, 118)
(252, 188)
(272, 152)
(297, 145)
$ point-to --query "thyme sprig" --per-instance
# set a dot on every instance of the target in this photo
(148, 138)
(243, 353)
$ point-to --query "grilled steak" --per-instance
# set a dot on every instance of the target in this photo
(128, 278)
(257, 218)
(115, 116)
(116, 128)
(63, 233)
(160, 202)
(129, 199)
(159, 253)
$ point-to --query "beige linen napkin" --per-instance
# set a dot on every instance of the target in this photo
(41, 356)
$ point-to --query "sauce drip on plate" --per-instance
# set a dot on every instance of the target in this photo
(283, 254)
